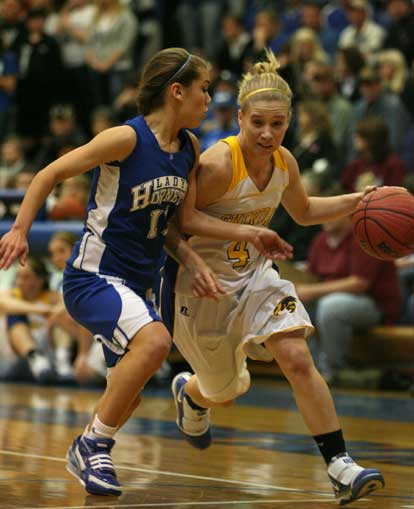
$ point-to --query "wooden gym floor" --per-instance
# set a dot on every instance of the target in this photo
(261, 457)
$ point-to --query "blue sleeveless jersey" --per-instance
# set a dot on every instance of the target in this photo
(130, 204)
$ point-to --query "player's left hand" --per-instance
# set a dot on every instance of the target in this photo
(368, 189)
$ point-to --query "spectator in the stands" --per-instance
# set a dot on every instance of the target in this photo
(314, 135)
(311, 17)
(197, 22)
(20, 182)
(362, 33)
(323, 86)
(375, 101)
(407, 95)
(12, 160)
(235, 45)
(8, 80)
(355, 292)
(150, 31)
(125, 104)
(12, 14)
(400, 34)
(64, 135)
(392, 69)
(224, 121)
(71, 28)
(304, 48)
(109, 49)
(376, 162)
(348, 64)
(39, 80)
(267, 33)
(102, 118)
(334, 16)
(28, 334)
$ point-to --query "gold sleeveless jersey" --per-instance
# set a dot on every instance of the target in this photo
(242, 203)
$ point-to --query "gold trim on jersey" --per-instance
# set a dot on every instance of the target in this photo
(239, 166)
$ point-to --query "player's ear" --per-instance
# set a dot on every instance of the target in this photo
(239, 117)
(176, 90)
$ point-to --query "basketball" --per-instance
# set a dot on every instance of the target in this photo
(383, 223)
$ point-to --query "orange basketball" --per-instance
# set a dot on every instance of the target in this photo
(383, 223)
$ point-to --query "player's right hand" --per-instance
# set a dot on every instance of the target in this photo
(270, 245)
(13, 245)
(204, 281)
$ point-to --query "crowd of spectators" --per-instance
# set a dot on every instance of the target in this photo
(69, 69)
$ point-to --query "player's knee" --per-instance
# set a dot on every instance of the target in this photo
(160, 348)
(296, 362)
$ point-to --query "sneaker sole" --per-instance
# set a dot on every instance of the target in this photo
(175, 394)
(370, 484)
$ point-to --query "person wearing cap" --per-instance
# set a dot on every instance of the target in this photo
(362, 32)
(144, 173)
(224, 121)
(377, 102)
(64, 134)
(323, 87)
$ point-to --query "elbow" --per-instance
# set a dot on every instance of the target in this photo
(184, 223)
(302, 220)
(187, 227)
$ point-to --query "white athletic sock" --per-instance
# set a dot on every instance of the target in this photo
(99, 430)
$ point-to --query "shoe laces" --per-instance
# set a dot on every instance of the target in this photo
(101, 459)
(102, 462)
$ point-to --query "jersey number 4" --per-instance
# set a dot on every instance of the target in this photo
(238, 253)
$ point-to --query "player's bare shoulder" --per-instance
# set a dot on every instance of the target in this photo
(214, 173)
(287, 155)
(215, 162)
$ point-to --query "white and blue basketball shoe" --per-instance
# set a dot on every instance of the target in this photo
(350, 481)
(89, 460)
(194, 424)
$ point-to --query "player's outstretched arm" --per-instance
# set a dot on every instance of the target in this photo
(307, 210)
(113, 144)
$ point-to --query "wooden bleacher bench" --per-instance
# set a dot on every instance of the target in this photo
(385, 345)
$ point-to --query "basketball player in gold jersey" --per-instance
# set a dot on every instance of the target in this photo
(243, 179)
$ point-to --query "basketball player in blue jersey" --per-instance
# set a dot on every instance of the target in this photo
(242, 179)
(142, 176)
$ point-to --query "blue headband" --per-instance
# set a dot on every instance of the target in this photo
(190, 56)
